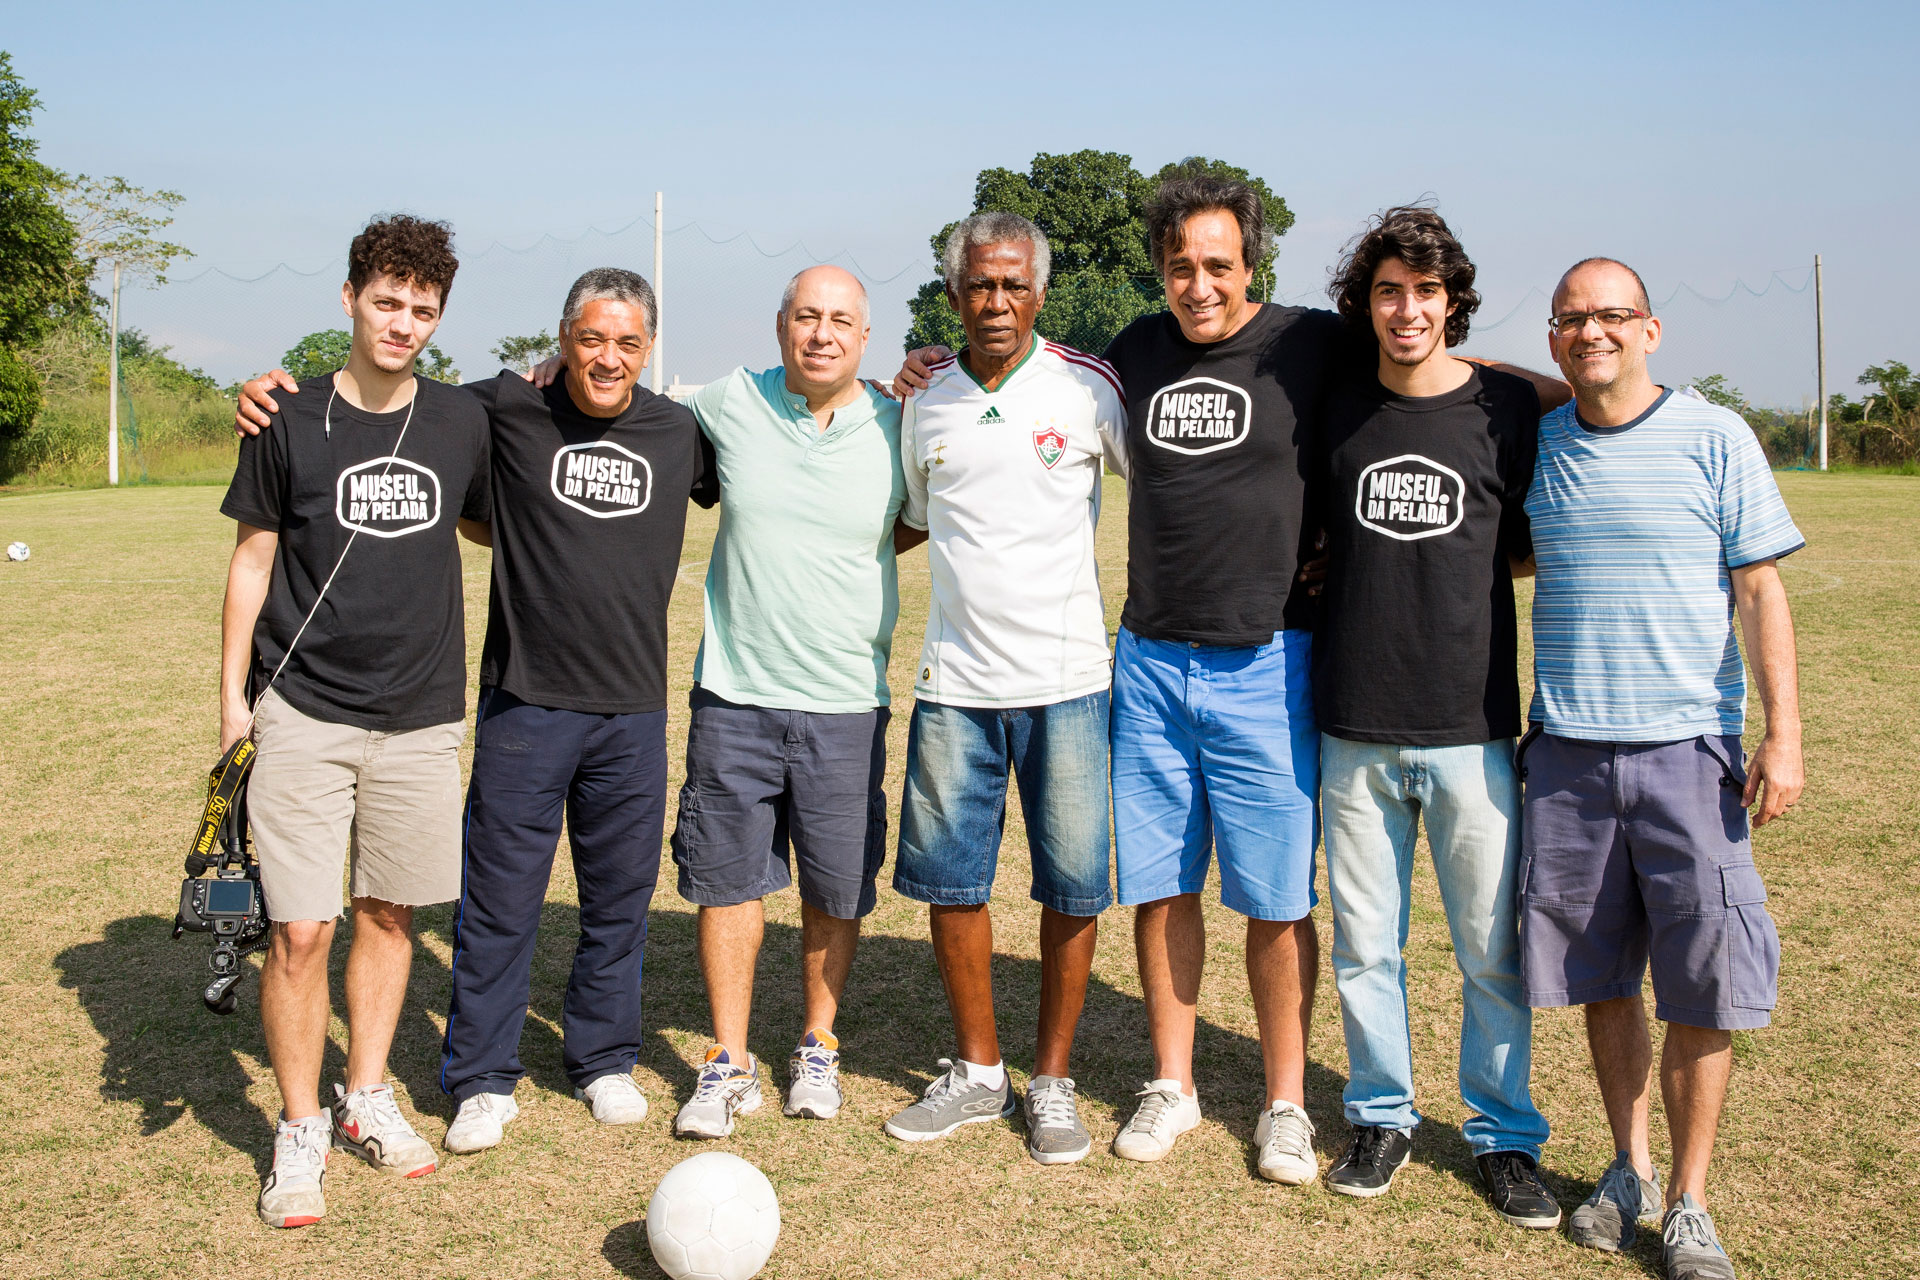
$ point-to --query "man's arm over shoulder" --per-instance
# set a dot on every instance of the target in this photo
(1552, 391)
(913, 512)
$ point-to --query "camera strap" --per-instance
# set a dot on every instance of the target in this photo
(224, 786)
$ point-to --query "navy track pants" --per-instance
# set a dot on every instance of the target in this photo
(608, 775)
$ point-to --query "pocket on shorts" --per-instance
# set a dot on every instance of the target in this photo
(686, 825)
(876, 851)
(1753, 943)
(1733, 764)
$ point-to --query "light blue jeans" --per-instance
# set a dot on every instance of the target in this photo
(1372, 798)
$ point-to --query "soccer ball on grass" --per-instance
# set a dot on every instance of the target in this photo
(714, 1217)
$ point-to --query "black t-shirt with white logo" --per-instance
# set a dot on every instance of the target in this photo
(1219, 445)
(1425, 505)
(589, 516)
(387, 649)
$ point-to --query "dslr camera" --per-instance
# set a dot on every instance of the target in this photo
(227, 904)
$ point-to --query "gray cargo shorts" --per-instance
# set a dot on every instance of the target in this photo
(763, 781)
(1637, 853)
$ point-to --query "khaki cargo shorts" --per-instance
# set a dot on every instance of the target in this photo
(321, 791)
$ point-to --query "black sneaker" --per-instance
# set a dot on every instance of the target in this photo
(1518, 1195)
(1374, 1154)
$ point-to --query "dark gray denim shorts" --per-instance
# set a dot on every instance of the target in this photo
(1634, 853)
(763, 782)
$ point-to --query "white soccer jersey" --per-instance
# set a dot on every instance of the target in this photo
(1007, 484)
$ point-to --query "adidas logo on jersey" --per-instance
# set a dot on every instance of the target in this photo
(991, 415)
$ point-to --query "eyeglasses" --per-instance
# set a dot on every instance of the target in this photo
(1611, 319)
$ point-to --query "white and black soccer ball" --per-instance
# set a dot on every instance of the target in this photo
(18, 551)
(714, 1217)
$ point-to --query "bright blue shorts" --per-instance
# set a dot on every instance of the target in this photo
(954, 802)
(1216, 747)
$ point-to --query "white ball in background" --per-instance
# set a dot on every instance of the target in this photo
(18, 551)
(714, 1217)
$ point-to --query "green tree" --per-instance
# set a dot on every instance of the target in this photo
(115, 221)
(522, 353)
(318, 353)
(36, 250)
(1715, 389)
(1894, 384)
(436, 364)
(323, 352)
(1091, 204)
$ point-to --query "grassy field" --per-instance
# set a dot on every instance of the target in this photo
(137, 1125)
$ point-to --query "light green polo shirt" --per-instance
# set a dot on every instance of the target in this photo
(802, 591)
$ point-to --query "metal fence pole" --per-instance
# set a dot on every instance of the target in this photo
(113, 382)
(1820, 338)
(659, 302)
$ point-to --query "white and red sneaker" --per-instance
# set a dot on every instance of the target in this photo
(292, 1196)
(368, 1123)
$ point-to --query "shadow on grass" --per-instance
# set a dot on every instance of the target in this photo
(627, 1251)
(166, 1053)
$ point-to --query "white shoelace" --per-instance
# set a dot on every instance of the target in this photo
(942, 1085)
(1292, 1133)
(381, 1112)
(1053, 1105)
(714, 1087)
(815, 1065)
(1156, 1108)
(297, 1152)
(1621, 1184)
(1691, 1227)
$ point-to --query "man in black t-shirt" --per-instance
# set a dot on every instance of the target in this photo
(590, 477)
(344, 613)
(1426, 460)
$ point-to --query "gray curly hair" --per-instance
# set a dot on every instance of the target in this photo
(983, 229)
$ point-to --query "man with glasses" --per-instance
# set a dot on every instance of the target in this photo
(1654, 520)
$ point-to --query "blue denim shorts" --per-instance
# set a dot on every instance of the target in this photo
(1636, 854)
(1216, 748)
(955, 802)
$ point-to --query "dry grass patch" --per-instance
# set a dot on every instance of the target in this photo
(137, 1124)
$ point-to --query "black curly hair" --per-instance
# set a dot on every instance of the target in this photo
(1418, 236)
(406, 248)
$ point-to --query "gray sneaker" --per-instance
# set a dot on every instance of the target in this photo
(725, 1090)
(1054, 1132)
(1623, 1198)
(951, 1101)
(813, 1072)
(1689, 1247)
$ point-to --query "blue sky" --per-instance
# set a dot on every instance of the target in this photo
(1705, 143)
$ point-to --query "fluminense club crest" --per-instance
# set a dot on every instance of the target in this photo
(1049, 443)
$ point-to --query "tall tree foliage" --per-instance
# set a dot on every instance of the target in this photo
(1091, 204)
(36, 238)
(36, 250)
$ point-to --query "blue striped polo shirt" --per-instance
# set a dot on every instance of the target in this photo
(1635, 529)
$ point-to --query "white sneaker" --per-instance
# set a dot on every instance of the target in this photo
(615, 1099)
(480, 1122)
(291, 1196)
(725, 1090)
(813, 1073)
(1285, 1138)
(368, 1123)
(1163, 1115)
